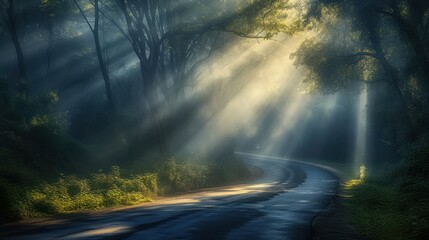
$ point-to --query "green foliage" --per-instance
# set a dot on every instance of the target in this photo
(228, 168)
(414, 188)
(265, 18)
(395, 203)
(70, 193)
(33, 135)
(182, 176)
(53, 9)
(100, 190)
(196, 172)
(34, 144)
(35, 149)
(11, 202)
(334, 64)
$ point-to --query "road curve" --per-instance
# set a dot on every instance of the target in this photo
(281, 204)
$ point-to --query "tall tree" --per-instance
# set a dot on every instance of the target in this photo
(10, 19)
(95, 30)
(151, 27)
(52, 10)
(410, 17)
(376, 29)
(144, 20)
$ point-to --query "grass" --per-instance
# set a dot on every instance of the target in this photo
(372, 209)
(389, 202)
(393, 201)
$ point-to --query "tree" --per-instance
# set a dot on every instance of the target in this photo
(53, 10)
(411, 19)
(10, 19)
(161, 41)
(144, 21)
(95, 30)
(362, 40)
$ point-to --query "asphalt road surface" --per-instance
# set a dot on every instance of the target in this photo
(280, 204)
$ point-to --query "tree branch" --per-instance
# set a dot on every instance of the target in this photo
(372, 81)
(83, 15)
(108, 17)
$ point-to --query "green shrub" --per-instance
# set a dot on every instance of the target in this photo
(70, 193)
(113, 197)
(105, 189)
(87, 201)
(228, 169)
(182, 176)
(374, 195)
(395, 204)
(12, 200)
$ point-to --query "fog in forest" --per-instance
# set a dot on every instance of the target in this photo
(178, 87)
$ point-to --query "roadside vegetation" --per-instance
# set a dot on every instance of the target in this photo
(34, 196)
(45, 172)
(393, 203)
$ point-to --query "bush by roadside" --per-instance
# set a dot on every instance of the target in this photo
(394, 204)
(70, 193)
(44, 171)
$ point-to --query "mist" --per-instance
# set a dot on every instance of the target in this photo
(106, 103)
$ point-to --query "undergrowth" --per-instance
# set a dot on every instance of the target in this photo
(44, 171)
(394, 203)
(71, 193)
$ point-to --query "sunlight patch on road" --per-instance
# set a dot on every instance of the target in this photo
(198, 197)
(102, 231)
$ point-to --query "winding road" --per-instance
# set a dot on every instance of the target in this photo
(281, 204)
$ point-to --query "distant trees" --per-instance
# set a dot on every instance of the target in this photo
(382, 44)
(171, 40)
(371, 41)
(167, 36)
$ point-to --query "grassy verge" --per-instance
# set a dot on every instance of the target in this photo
(116, 187)
(71, 193)
(372, 209)
(44, 171)
(393, 202)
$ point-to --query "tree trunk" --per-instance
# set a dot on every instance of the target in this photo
(103, 68)
(159, 126)
(149, 95)
(13, 31)
(418, 45)
(412, 28)
(48, 53)
(423, 64)
(391, 75)
(394, 80)
(99, 52)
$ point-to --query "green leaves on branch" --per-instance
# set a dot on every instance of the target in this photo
(266, 18)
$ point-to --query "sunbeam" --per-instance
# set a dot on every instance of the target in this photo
(360, 151)
(236, 119)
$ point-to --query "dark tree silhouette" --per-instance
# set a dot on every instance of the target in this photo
(10, 19)
(95, 29)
